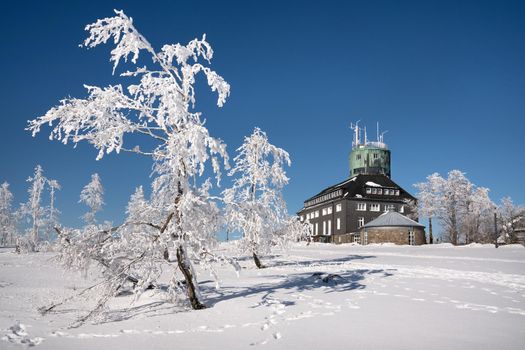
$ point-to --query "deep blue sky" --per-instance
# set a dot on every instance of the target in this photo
(447, 79)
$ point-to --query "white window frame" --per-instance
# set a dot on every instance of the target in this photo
(316, 228)
(361, 206)
(397, 192)
(316, 214)
(323, 211)
(379, 191)
(375, 207)
(374, 190)
(338, 207)
(389, 207)
(357, 238)
(338, 223)
(365, 240)
(329, 227)
(329, 210)
(387, 192)
(324, 227)
(368, 190)
(402, 209)
(360, 222)
(411, 237)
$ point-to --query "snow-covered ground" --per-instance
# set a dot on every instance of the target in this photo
(315, 297)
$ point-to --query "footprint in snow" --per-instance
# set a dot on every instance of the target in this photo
(17, 334)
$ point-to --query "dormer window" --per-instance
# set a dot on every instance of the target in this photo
(374, 190)
(368, 190)
(379, 191)
(387, 191)
(397, 192)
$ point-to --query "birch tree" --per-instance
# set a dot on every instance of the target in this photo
(255, 205)
(92, 195)
(159, 104)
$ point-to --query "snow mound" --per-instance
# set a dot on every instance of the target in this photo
(17, 334)
(328, 278)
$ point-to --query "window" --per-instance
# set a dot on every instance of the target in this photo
(357, 238)
(374, 190)
(397, 192)
(360, 222)
(375, 207)
(317, 213)
(379, 191)
(375, 155)
(329, 210)
(329, 227)
(365, 238)
(361, 206)
(338, 207)
(323, 212)
(368, 190)
(324, 227)
(338, 223)
(411, 238)
(302, 217)
(308, 216)
(389, 207)
(358, 157)
(387, 191)
(316, 228)
(402, 209)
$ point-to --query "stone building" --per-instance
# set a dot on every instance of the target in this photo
(337, 213)
(392, 227)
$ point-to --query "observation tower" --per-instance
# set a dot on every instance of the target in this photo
(368, 157)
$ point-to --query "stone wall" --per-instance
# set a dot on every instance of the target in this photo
(344, 238)
(397, 235)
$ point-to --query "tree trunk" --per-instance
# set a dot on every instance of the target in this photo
(430, 237)
(258, 262)
(185, 268)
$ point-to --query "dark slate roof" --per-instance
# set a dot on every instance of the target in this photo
(357, 184)
(392, 219)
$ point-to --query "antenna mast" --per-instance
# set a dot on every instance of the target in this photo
(357, 134)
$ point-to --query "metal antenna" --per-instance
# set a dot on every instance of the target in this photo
(355, 128)
(382, 137)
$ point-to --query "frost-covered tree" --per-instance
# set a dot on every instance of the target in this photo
(8, 230)
(255, 206)
(159, 104)
(52, 211)
(478, 216)
(92, 195)
(33, 210)
(430, 194)
(510, 215)
(456, 193)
